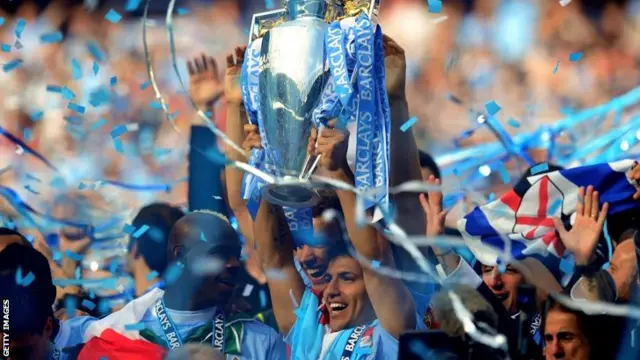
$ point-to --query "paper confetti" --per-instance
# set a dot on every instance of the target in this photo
(90, 305)
(6, 48)
(554, 207)
(439, 20)
(77, 108)
(132, 5)
(51, 38)
(375, 264)
(504, 174)
(98, 124)
(95, 68)
(435, 6)
(27, 134)
(408, 124)
(263, 299)
(248, 288)
(19, 150)
(78, 273)
(1, 20)
(67, 93)
(24, 281)
(555, 69)
(539, 168)
(73, 256)
(128, 229)
(117, 145)
(118, 131)
(145, 85)
(54, 88)
(20, 25)
(183, 11)
(31, 190)
(513, 123)
(95, 51)
(113, 81)
(576, 56)
(492, 108)
(564, 3)
(11, 65)
(566, 265)
(71, 304)
(18, 45)
(152, 275)
(202, 237)
(76, 69)
(143, 229)
(113, 16)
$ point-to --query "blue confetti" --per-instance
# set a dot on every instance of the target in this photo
(263, 299)
(11, 65)
(375, 264)
(57, 255)
(513, 123)
(37, 115)
(268, 4)
(408, 124)
(27, 134)
(57, 183)
(82, 186)
(156, 234)
(113, 16)
(92, 295)
(202, 237)
(143, 229)
(435, 6)
(183, 11)
(20, 25)
(456, 172)
(78, 273)
(32, 177)
(76, 69)
(118, 131)
(152, 275)
(54, 88)
(117, 145)
(132, 5)
(24, 281)
(98, 124)
(172, 274)
(113, 267)
(539, 168)
(566, 265)
(492, 108)
(99, 97)
(95, 51)
(88, 304)
(6, 48)
(576, 56)
(71, 304)
(491, 197)
(51, 38)
(113, 81)
(73, 256)
(77, 108)
(145, 85)
(103, 307)
(68, 94)
(554, 207)
(128, 229)
(134, 327)
(1, 20)
(96, 68)
(555, 69)
(31, 190)
(504, 174)
(155, 105)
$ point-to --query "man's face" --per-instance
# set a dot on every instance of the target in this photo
(563, 337)
(219, 287)
(7, 240)
(504, 286)
(313, 260)
(31, 346)
(345, 294)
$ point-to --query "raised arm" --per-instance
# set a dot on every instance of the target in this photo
(390, 298)
(274, 246)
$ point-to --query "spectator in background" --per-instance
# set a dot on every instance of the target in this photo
(34, 331)
(143, 255)
(9, 236)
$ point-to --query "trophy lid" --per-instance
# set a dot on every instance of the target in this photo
(306, 8)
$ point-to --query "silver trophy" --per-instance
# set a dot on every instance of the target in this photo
(292, 76)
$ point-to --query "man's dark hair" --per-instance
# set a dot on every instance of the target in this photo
(10, 232)
(32, 294)
(328, 200)
(426, 161)
(160, 218)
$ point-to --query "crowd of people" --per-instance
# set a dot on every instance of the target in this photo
(195, 274)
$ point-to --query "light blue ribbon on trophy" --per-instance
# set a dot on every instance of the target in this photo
(366, 124)
(252, 185)
(337, 56)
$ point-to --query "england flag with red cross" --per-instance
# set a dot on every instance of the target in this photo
(524, 215)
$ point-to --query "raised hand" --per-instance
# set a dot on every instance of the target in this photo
(205, 86)
(332, 147)
(252, 139)
(432, 206)
(395, 65)
(232, 91)
(583, 237)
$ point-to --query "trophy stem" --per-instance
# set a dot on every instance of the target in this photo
(313, 167)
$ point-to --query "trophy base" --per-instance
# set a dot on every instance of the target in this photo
(295, 195)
